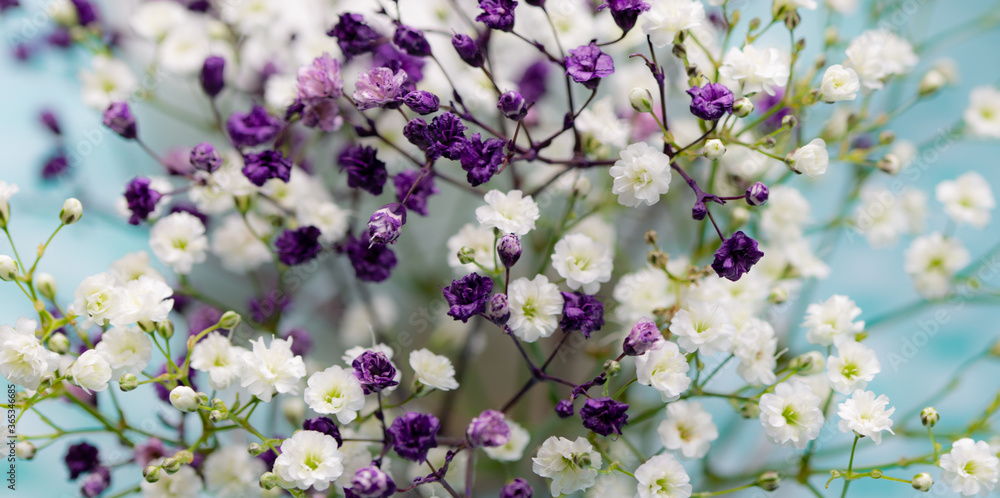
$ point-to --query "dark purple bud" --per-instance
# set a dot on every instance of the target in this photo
(49, 120)
(324, 425)
(422, 102)
(118, 117)
(298, 246)
(757, 194)
(625, 12)
(534, 82)
(86, 13)
(604, 416)
(205, 157)
(372, 482)
(467, 296)
(511, 104)
(497, 309)
(212, 76)
(509, 249)
(55, 166)
(564, 408)
(519, 488)
(385, 225)
(411, 41)
(699, 210)
(536, 3)
(645, 336)
(711, 102)
(736, 256)
(488, 430)
(468, 50)
(414, 434)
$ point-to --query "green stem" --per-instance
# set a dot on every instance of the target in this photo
(850, 466)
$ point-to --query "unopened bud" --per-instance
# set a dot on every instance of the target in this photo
(171, 465)
(71, 211)
(46, 285)
(650, 237)
(742, 107)
(778, 295)
(808, 363)
(25, 450)
(641, 99)
(151, 473)
(887, 137)
(268, 480)
(466, 255)
(749, 410)
(768, 481)
(215, 416)
(58, 343)
(756, 194)
(714, 149)
(933, 81)
(929, 416)
(890, 164)
(922, 482)
(229, 320)
(386, 224)
(8, 268)
(128, 382)
(509, 249)
(789, 121)
(498, 309)
(165, 328)
(612, 367)
(184, 399)
(256, 449)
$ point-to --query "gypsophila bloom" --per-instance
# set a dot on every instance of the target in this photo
(23, 358)
(668, 17)
(433, 370)
(204, 157)
(688, 428)
(642, 175)
(468, 50)
(467, 296)
(866, 415)
(379, 87)
(422, 102)
(141, 199)
(755, 346)
(335, 391)
(736, 256)
(90, 371)
(878, 54)
(982, 116)
(662, 476)
(178, 240)
(534, 307)
(811, 159)
(513, 449)
(572, 465)
(353, 35)
(644, 336)
(375, 371)
(230, 472)
(97, 299)
(488, 430)
(583, 262)
(967, 199)
(413, 435)
(711, 102)
(791, 414)
(214, 354)
(446, 137)
(702, 326)
(512, 212)
(118, 117)
(309, 459)
(259, 167)
(109, 80)
(482, 159)
(757, 70)
(582, 313)
(126, 349)
(143, 301)
(253, 128)
(81, 458)
(184, 399)
(852, 368)
(839, 83)
(932, 261)
(604, 416)
(587, 64)
(665, 369)
(417, 200)
(371, 262)
(364, 169)
(970, 468)
(518, 488)
(270, 369)
(625, 12)
(372, 482)
(411, 41)
(324, 425)
(497, 14)
(96, 482)
(832, 320)
(298, 246)
(385, 224)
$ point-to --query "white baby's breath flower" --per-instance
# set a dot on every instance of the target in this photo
(185, 47)
(335, 390)
(600, 121)
(238, 248)
(970, 468)
(853, 368)
(757, 70)
(512, 212)
(535, 306)
(866, 415)
(267, 370)
(134, 265)
(91, 371)
(513, 449)
(662, 476)
(572, 465)
(329, 218)
(7, 190)
(839, 83)
(179, 241)
(222, 360)
(967, 199)
(143, 300)
(153, 20)
(230, 472)
(689, 428)
(582, 261)
(793, 4)
(665, 369)
(641, 292)
(309, 459)
(433, 370)
(704, 327)
(785, 213)
(812, 158)
(932, 261)
(97, 299)
(109, 80)
(791, 414)
(877, 54)
(755, 347)
(982, 116)
(832, 320)
(667, 17)
(642, 175)
(126, 349)
(23, 358)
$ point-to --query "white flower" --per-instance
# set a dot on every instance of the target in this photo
(572, 465)
(513, 449)
(134, 265)
(535, 306)
(230, 472)
(582, 261)
(335, 390)
(639, 293)
(877, 54)
(755, 346)
(97, 299)
(983, 114)
(184, 399)
(185, 47)
(269, 369)
(689, 428)
(970, 467)
(704, 327)
(665, 369)
(791, 414)
(433, 370)
(329, 218)
(853, 368)
(217, 356)
(967, 199)
(237, 247)
(184, 483)
(843, 6)
(109, 80)
(600, 121)
(812, 158)
(91, 371)
(667, 17)
(143, 300)
(793, 4)
(882, 216)
(932, 261)
(126, 349)
(478, 238)
(309, 458)
(511, 212)
(7, 190)
(839, 83)
(153, 20)
(641, 175)
(762, 70)
(832, 320)
(662, 476)
(23, 358)
(179, 241)
(866, 415)
(784, 214)
(351, 354)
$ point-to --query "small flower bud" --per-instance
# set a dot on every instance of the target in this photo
(385, 225)
(789, 121)
(777, 295)
(212, 76)
(256, 449)
(147, 325)
(229, 320)
(58, 343)
(714, 149)
(564, 408)
(742, 107)
(830, 36)
(215, 416)
(511, 104)
(184, 399)
(887, 137)
(699, 211)
(466, 255)
(644, 336)
(890, 164)
(25, 450)
(757, 194)
(932, 81)
(171, 465)
(768, 481)
(749, 410)
(658, 259)
(165, 328)
(268, 480)
(118, 117)
(128, 382)
(929, 416)
(612, 367)
(242, 203)
(46, 285)
(641, 99)
(151, 473)
(71, 211)
(497, 309)
(218, 404)
(509, 249)
(809, 363)
(184, 457)
(422, 102)
(468, 50)
(650, 237)
(204, 157)
(922, 482)
(8, 268)
(754, 23)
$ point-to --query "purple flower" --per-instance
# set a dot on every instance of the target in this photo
(374, 371)
(625, 12)
(411, 41)
(50, 121)
(320, 80)
(118, 117)
(301, 341)
(298, 246)
(604, 415)
(81, 458)
(511, 104)
(497, 14)
(386, 223)
(586, 64)
(710, 102)
(509, 249)
(468, 50)
(467, 296)
(481, 160)
(55, 165)
(497, 309)
(379, 87)
(96, 482)
(324, 425)
(413, 434)
(488, 430)
(8, 4)
(422, 102)
(735, 256)
(364, 170)
(756, 194)
(446, 135)
(581, 312)
(252, 128)
(212, 76)
(353, 35)
(534, 82)
(425, 188)
(415, 132)
(205, 157)
(371, 262)
(518, 488)
(564, 408)
(85, 11)
(645, 335)
(141, 199)
(259, 167)
(372, 482)
(387, 56)
(321, 113)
